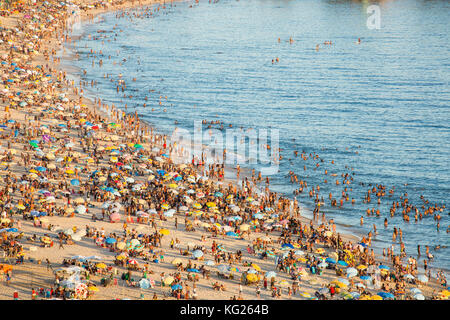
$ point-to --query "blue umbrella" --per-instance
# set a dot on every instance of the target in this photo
(12, 230)
(177, 178)
(42, 214)
(330, 260)
(75, 182)
(382, 266)
(232, 234)
(193, 270)
(177, 287)
(34, 213)
(218, 194)
(386, 295)
(110, 240)
(41, 169)
(365, 277)
(343, 263)
(287, 245)
(161, 172)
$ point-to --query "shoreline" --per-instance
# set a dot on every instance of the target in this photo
(91, 106)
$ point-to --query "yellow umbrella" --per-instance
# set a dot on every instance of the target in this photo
(252, 277)
(70, 171)
(121, 245)
(305, 295)
(168, 280)
(69, 210)
(33, 171)
(101, 265)
(176, 261)
(320, 251)
(33, 175)
(376, 297)
(20, 206)
(361, 267)
(445, 293)
(256, 267)
(244, 227)
(211, 204)
(165, 232)
(92, 288)
(197, 205)
(339, 284)
(173, 186)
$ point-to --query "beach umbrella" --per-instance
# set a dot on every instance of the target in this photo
(144, 284)
(197, 253)
(75, 182)
(271, 274)
(176, 261)
(80, 209)
(101, 265)
(376, 297)
(361, 267)
(135, 243)
(110, 240)
(114, 217)
(251, 277)
(258, 216)
(409, 276)
(422, 278)
(287, 245)
(320, 251)
(222, 268)
(419, 296)
(415, 290)
(165, 232)
(168, 280)
(305, 295)
(244, 227)
(232, 234)
(352, 272)
(132, 261)
(330, 260)
(386, 295)
(210, 263)
(256, 267)
(177, 287)
(234, 269)
(342, 263)
(121, 245)
(93, 289)
(383, 267)
(365, 278)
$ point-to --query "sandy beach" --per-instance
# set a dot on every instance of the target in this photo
(86, 184)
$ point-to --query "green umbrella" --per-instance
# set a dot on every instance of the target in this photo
(34, 144)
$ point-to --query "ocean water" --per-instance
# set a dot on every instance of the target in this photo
(380, 109)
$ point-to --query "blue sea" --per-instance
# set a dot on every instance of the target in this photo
(379, 109)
